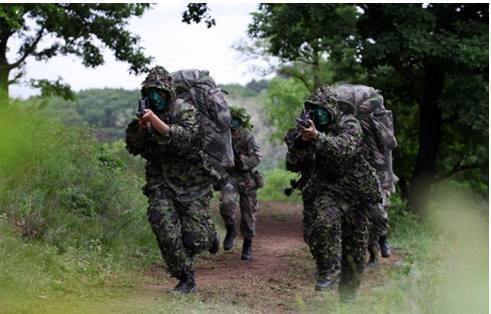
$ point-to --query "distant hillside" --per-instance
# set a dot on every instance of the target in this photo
(108, 111)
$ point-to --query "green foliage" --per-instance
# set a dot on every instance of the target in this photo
(435, 61)
(429, 61)
(258, 86)
(441, 267)
(283, 104)
(308, 35)
(80, 30)
(60, 186)
(198, 12)
(107, 111)
(276, 181)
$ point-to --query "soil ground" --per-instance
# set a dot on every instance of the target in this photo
(280, 275)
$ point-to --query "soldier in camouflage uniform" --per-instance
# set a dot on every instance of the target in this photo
(178, 180)
(379, 218)
(338, 186)
(239, 187)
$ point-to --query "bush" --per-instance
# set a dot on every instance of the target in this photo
(59, 185)
(276, 181)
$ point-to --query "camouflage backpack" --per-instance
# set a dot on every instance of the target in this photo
(198, 88)
(367, 105)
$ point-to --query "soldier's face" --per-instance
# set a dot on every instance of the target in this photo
(158, 98)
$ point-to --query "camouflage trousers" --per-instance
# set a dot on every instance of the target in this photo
(337, 235)
(379, 219)
(238, 193)
(182, 229)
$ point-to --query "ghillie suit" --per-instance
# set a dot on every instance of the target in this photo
(340, 184)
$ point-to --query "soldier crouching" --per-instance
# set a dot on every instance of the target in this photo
(339, 187)
(178, 180)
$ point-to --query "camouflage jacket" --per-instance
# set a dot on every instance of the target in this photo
(175, 161)
(335, 163)
(246, 156)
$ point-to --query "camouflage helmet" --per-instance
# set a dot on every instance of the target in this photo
(242, 115)
(160, 78)
(324, 97)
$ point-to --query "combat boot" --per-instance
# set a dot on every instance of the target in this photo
(384, 246)
(215, 245)
(247, 249)
(228, 242)
(323, 282)
(186, 284)
(373, 252)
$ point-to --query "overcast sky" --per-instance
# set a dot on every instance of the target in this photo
(173, 44)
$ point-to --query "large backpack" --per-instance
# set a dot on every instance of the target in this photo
(367, 105)
(198, 88)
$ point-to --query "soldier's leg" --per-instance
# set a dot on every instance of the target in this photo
(164, 219)
(380, 226)
(324, 239)
(373, 234)
(229, 200)
(248, 207)
(198, 229)
(383, 227)
(355, 238)
(198, 234)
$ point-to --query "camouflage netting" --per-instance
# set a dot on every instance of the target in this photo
(160, 78)
(242, 115)
(324, 97)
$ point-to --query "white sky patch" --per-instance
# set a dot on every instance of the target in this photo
(173, 44)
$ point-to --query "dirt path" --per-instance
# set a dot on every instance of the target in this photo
(281, 269)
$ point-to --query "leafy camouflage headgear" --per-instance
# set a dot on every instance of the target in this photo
(160, 78)
(242, 115)
(324, 97)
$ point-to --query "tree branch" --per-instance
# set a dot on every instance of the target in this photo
(458, 167)
(29, 50)
(296, 74)
(16, 78)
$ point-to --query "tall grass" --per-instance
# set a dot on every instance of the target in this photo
(72, 213)
(443, 266)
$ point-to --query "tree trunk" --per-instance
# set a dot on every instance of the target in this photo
(317, 70)
(430, 124)
(4, 82)
(4, 66)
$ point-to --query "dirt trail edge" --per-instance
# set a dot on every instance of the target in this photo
(280, 271)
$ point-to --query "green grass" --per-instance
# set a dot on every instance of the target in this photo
(74, 236)
(444, 266)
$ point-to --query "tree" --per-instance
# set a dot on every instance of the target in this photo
(198, 12)
(429, 61)
(439, 53)
(82, 30)
(283, 104)
(306, 36)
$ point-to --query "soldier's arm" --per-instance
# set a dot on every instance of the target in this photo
(183, 136)
(344, 144)
(253, 156)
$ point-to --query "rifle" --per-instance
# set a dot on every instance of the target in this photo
(293, 186)
(296, 184)
(302, 122)
(143, 104)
